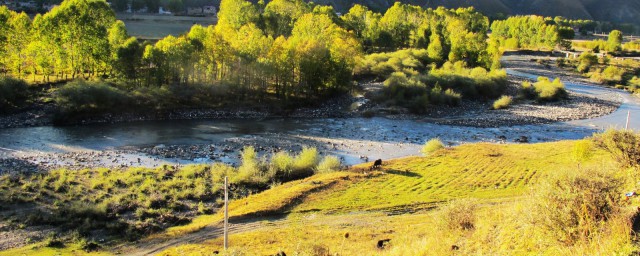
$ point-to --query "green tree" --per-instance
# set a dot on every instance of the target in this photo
(281, 15)
(175, 6)
(236, 13)
(435, 50)
(364, 23)
(119, 5)
(17, 41)
(80, 40)
(614, 42)
(399, 21)
(5, 30)
(128, 58)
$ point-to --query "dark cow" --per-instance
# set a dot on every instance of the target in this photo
(377, 164)
(383, 243)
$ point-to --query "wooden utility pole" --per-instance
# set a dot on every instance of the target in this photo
(626, 126)
(226, 212)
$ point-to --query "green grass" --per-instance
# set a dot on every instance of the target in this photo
(272, 201)
(499, 177)
(131, 203)
(481, 170)
(41, 249)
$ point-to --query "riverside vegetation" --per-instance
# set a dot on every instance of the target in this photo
(282, 54)
(103, 203)
(567, 197)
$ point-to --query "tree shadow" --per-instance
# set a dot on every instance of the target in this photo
(404, 173)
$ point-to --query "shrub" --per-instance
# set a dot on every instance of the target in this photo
(431, 146)
(624, 146)
(469, 82)
(503, 102)
(574, 206)
(582, 150)
(611, 75)
(13, 93)
(329, 164)
(383, 64)
(52, 240)
(561, 62)
(460, 215)
(82, 96)
(544, 90)
(633, 85)
(511, 44)
(586, 60)
(249, 170)
(304, 163)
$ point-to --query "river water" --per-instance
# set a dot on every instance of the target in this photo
(353, 139)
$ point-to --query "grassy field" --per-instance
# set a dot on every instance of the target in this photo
(41, 249)
(349, 216)
(155, 27)
(473, 199)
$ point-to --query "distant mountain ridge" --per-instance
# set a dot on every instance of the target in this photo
(619, 11)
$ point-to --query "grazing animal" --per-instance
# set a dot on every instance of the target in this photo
(376, 165)
(346, 235)
(455, 247)
(383, 243)
(280, 253)
(522, 139)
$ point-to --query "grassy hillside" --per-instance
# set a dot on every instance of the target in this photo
(359, 208)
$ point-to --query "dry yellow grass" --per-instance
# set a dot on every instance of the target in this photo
(499, 176)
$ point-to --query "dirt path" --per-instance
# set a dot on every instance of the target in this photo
(154, 246)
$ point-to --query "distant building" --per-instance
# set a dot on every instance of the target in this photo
(209, 10)
(197, 11)
(163, 11)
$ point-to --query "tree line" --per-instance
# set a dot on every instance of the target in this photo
(286, 48)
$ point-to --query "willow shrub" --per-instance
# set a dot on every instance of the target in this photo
(80, 96)
(13, 93)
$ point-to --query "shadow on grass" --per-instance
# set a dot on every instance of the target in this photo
(404, 173)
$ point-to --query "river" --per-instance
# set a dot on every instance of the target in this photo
(354, 139)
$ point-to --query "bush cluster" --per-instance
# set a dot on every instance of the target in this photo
(13, 93)
(624, 146)
(407, 85)
(544, 90)
(382, 65)
(611, 75)
(503, 102)
(432, 146)
(80, 96)
(575, 206)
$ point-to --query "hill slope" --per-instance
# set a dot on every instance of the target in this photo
(626, 11)
(372, 206)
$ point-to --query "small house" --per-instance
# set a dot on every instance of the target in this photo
(194, 11)
(209, 10)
